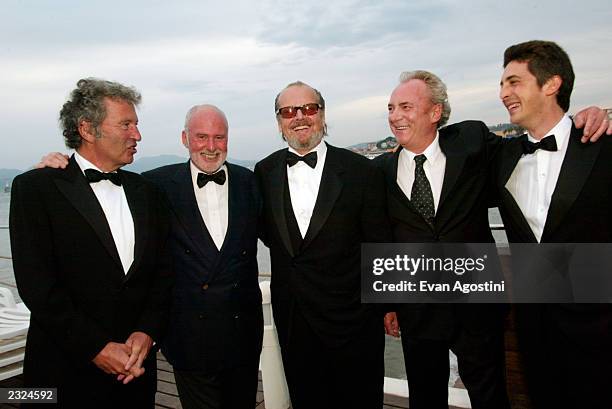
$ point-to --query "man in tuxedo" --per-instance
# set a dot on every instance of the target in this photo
(553, 189)
(319, 204)
(89, 258)
(437, 191)
(216, 324)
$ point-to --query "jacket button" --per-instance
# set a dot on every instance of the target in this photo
(187, 251)
(244, 252)
(205, 287)
(201, 316)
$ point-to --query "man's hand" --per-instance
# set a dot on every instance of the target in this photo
(113, 358)
(53, 160)
(139, 344)
(391, 324)
(595, 123)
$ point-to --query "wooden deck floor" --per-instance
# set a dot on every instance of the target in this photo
(167, 396)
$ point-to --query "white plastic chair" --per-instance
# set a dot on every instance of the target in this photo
(14, 324)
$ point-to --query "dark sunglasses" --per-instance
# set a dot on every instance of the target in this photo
(291, 112)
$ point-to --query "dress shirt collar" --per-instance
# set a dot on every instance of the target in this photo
(432, 152)
(320, 149)
(561, 132)
(85, 164)
(195, 170)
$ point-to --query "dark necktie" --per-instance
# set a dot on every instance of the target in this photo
(309, 159)
(94, 176)
(421, 196)
(548, 144)
(218, 178)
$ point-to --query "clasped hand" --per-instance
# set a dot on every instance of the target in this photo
(125, 360)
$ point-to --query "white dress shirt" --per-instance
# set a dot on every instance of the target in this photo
(535, 176)
(212, 202)
(304, 183)
(434, 167)
(114, 204)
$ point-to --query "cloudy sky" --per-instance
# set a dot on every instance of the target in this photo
(239, 54)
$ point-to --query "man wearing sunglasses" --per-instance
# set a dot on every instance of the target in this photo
(320, 204)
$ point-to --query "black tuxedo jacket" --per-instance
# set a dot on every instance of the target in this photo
(216, 320)
(579, 212)
(462, 216)
(322, 277)
(69, 275)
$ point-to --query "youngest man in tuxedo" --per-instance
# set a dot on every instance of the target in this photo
(554, 189)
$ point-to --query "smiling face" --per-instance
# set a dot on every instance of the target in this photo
(413, 118)
(302, 132)
(113, 144)
(520, 93)
(206, 139)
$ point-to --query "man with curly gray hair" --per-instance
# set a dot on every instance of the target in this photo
(89, 258)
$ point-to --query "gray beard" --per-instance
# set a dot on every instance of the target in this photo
(314, 140)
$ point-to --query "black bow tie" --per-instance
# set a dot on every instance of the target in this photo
(309, 159)
(218, 178)
(94, 176)
(548, 144)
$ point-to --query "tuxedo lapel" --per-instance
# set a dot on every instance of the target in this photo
(275, 179)
(137, 202)
(76, 189)
(236, 211)
(391, 179)
(187, 212)
(520, 224)
(454, 151)
(575, 170)
(329, 190)
(511, 153)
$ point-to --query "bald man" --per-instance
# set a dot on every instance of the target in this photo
(216, 323)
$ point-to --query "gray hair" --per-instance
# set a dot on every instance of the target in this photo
(86, 103)
(299, 84)
(436, 88)
(203, 107)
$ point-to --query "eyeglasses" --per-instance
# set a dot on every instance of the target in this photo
(291, 112)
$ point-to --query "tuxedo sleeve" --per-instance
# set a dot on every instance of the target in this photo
(154, 319)
(36, 273)
(261, 225)
(493, 145)
(375, 224)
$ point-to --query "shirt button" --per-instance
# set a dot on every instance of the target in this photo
(205, 287)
